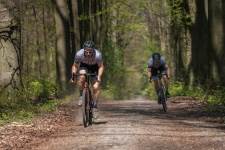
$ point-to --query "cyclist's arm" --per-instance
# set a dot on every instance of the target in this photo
(149, 70)
(166, 67)
(167, 70)
(74, 68)
(76, 63)
(100, 71)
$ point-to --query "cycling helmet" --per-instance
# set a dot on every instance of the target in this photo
(156, 56)
(89, 44)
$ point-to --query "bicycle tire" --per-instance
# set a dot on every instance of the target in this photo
(85, 108)
(163, 100)
(90, 109)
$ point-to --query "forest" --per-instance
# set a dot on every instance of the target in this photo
(39, 39)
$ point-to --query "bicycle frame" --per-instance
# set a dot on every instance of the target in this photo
(162, 92)
(87, 105)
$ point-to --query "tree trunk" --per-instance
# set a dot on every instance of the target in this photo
(216, 29)
(63, 51)
(76, 24)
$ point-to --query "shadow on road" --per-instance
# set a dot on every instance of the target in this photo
(184, 113)
(99, 122)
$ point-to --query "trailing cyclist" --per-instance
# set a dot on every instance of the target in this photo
(90, 59)
(157, 65)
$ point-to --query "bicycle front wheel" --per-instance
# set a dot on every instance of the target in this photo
(85, 108)
(163, 99)
(90, 108)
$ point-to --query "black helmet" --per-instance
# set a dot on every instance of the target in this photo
(89, 44)
(156, 56)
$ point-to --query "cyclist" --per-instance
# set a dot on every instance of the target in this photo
(91, 59)
(157, 64)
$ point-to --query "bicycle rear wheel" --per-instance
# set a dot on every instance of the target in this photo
(163, 100)
(85, 108)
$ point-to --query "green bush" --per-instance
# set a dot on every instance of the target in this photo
(212, 96)
(18, 104)
(35, 88)
(40, 89)
(177, 89)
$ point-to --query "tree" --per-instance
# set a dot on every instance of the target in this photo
(63, 51)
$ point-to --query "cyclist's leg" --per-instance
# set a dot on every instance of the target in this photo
(96, 91)
(166, 83)
(81, 82)
(156, 82)
(155, 79)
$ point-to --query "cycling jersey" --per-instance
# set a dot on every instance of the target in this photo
(156, 69)
(90, 63)
(151, 63)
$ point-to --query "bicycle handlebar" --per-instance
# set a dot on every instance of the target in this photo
(87, 74)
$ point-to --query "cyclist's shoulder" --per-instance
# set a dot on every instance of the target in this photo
(150, 60)
(98, 53)
(80, 53)
(163, 58)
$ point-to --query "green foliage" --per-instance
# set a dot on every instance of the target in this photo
(178, 14)
(115, 73)
(211, 96)
(48, 106)
(17, 108)
(177, 89)
(110, 91)
(152, 47)
(150, 92)
(24, 111)
(35, 88)
(40, 89)
(217, 96)
(24, 103)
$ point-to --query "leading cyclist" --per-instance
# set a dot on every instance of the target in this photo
(91, 59)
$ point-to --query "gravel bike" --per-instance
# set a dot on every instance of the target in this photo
(87, 98)
(161, 93)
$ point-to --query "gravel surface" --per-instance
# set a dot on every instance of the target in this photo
(131, 124)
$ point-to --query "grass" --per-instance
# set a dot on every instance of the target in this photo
(212, 97)
(24, 110)
(19, 108)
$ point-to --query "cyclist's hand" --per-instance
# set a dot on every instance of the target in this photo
(73, 79)
(168, 77)
(99, 80)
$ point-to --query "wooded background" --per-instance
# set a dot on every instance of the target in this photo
(38, 41)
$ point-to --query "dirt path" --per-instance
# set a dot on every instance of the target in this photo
(138, 124)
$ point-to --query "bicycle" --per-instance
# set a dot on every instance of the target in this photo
(161, 93)
(87, 98)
